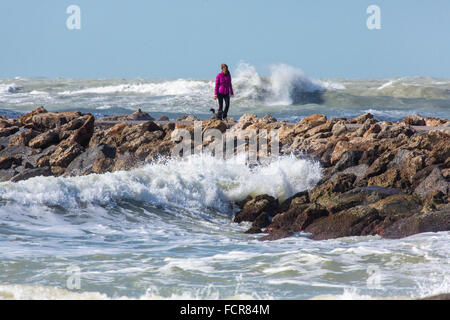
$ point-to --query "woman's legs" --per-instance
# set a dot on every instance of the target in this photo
(220, 112)
(227, 105)
(223, 114)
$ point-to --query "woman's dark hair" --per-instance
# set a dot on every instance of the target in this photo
(225, 66)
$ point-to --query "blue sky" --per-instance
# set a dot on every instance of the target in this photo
(190, 38)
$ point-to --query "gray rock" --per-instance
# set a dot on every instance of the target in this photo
(31, 173)
(434, 182)
(84, 163)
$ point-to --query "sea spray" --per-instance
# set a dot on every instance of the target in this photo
(193, 182)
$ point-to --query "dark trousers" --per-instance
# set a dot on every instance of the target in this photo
(222, 114)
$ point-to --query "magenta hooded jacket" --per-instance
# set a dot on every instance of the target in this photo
(223, 84)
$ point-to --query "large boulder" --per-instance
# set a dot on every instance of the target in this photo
(255, 207)
(99, 159)
(7, 162)
(323, 193)
(6, 132)
(418, 223)
(23, 138)
(397, 204)
(359, 196)
(356, 221)
(83, 135)
(66, 152)
(45, 139)
(31, 173)
(434, 182)
(51, 120)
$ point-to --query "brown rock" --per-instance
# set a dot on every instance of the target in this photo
(51, 120)
(434, 182)
(26, 119)
(356, 221)
(415, 120)
(23, 138)
(6, 132)
(117, 129)
(322, 194)
(45, 140)
(7, 162)
(256, 206)
(66, 152)
(83, 135)
(397, 204)
(361, 119)
(419, 223)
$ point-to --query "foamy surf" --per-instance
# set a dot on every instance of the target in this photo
(195, 182)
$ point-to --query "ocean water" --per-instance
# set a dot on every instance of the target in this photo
(286, 93)
(165, 231)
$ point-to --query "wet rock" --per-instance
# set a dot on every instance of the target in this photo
(262, 221)
(397, 204)
(44, 140)
(339, 128)
(309, 122)
(83, 135)
(7, 174)
(415, 120)
(253, 230)
(99, 159)
(418, 223)
(23, 138)
(34, 160)
(51, 120)
(434, 182)
(163, 118)
(356, 221)
(311, 213)
(7, 162)
(359, 196)
(348, 159)
(65, 153)
(31, 173)
(256, 206)
(380, 165)
(434, 201)
(277, 235)
(6, 132)
(361, 119)
(21, 151)
(125, 162)
(27, 118)
(325, 192)
(389, 179)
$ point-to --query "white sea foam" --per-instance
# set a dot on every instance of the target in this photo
(195, 182)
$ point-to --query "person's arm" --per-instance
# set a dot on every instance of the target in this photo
(216, 91)
(231, 87)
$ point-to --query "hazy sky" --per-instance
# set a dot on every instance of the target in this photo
(190, 38)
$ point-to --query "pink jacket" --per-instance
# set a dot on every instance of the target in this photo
(223, 84)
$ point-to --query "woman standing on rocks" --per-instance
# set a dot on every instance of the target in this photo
(223, 90)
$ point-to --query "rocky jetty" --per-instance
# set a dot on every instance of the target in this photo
(390, 179)
(379, 178)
